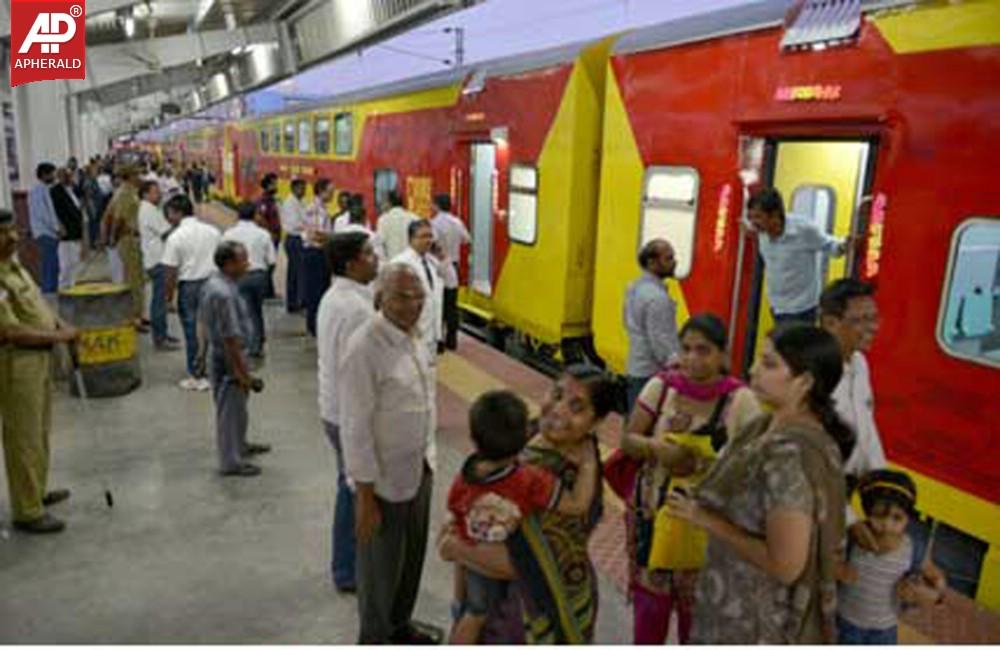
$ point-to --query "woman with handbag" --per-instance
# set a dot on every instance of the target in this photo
(681, 422)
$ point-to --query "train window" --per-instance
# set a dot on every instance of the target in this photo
(289, 142)
(969, 319)
(343, 128)
(265, 140)
(670, 210)
(386, 180)
(322, 143)
(305, 136)
(276, 137)
(522, 224)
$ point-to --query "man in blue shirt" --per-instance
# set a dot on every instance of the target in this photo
(791, 247)
(650, 318)
(45, 227)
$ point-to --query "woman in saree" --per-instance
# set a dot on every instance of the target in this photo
(773, 504)
(682, 420)
(553, 586)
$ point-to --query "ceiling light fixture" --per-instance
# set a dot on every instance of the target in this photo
(129, 25)
(204, 6)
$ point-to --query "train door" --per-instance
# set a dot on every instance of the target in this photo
(482, 179)
(825, 181)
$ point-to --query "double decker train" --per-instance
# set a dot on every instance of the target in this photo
(563, 163)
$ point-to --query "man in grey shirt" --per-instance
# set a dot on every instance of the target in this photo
(225, 319)
(650, 317)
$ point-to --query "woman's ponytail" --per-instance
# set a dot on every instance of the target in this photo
(840, 431)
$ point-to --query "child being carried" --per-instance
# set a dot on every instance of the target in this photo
(491, 495)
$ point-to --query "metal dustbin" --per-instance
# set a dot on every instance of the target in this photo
(108, 349)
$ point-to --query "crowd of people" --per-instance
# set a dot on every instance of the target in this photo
(738, 516)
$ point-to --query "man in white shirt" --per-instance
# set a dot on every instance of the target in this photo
(315, 277)
(153, 232)
(792, 248)
(293, 222)
(189, 258)
(392, 227)
(343, 216)
(848, 311)
(347, 305)
(419, 258)
(387, 416)
(450, 233)
(255, 285)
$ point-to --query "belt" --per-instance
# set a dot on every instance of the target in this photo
(41, 347)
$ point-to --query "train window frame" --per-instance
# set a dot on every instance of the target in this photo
(690, 206)
(343, 145)
(277, 133)
(322, 118)
(288, 144)
(946, 287)
(522, 190)
(264, 134)
(303, 136)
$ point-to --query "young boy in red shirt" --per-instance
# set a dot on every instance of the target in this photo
(491, 495)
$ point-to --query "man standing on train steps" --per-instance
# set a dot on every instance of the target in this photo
(790, 246)
(28, 332)
(650, 318)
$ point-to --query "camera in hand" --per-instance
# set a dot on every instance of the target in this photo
(257, 385)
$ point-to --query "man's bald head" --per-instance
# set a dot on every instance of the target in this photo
(401, 295)
(657, 257)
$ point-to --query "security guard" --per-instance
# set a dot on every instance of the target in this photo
(28, 331)
(124, 217)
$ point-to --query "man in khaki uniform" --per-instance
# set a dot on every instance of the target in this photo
(123, 214)
(28, 332)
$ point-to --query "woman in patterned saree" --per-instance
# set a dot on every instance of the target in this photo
(546, 560)
(773, 504)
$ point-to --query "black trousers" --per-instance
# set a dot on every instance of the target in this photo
(389, 567)
(293, 290)
(451, 318)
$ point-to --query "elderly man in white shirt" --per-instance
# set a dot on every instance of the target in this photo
(293, 222)
(347, 305)
(791, 247)
(189, 259)
(419, 258)
(392, 228)
(153, 231)
(450, 233)
(848, 311)
(256, 284)
(387, 418)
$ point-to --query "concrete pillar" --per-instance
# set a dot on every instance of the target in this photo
(43, 129)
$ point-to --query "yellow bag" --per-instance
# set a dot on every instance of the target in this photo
(678, 544)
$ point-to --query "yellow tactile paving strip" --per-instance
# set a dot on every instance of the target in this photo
(478, 368)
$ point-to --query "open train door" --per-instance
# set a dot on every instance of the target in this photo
(827, 180)
(481, 196)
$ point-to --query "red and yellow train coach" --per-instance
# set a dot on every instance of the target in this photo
(892, 138)
(516, 146)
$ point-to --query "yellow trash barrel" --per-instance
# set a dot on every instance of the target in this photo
(108, 349)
